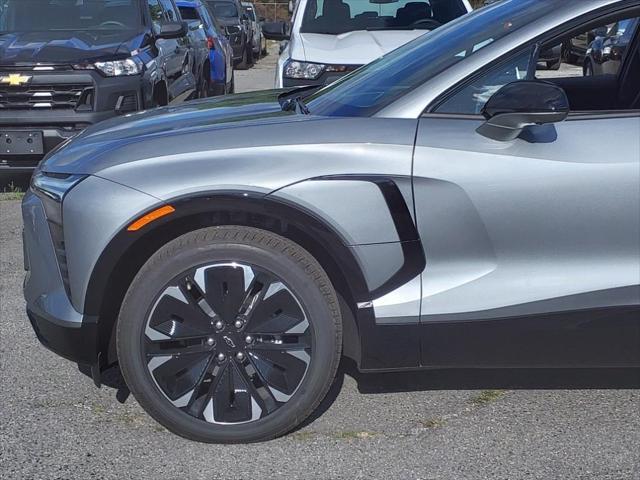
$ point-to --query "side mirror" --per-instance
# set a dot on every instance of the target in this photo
(172, 30)
(275, 30)
(519, 105)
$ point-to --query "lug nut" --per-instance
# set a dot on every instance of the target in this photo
(239, 356)
(221, 357)
(210, 341)
(238, 323)
(248, 339)
(219, 325)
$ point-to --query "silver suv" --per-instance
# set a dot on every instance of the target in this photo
(440, 207)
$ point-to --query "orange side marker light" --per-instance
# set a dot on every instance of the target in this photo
(150, 217)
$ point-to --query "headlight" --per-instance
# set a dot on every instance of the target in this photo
(54, 185)
(120, 68)
(304, 70)
(606, 51)
(51, 189)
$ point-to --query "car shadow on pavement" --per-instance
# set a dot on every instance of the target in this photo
(450, 379)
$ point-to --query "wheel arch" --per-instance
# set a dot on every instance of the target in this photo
(127, 252)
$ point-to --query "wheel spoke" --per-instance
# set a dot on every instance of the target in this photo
(277, 312)
(258, 387)
(177, 375)
(281, 370)
(182, 346)
(204, 389)
(224, 287)
(175, 316)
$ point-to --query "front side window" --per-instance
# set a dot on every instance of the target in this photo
(69, 15)
(473, 97)
(570, 65)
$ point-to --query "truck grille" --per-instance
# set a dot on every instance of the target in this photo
(46, 96)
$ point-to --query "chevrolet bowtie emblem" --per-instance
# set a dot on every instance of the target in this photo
(15, 79)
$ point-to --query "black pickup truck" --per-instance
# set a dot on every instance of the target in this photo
(67, 64)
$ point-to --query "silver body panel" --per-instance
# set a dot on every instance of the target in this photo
(508, 229)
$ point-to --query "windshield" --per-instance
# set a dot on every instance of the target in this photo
(340, 16)
(76, 15)
(224, 9)
(378, 84)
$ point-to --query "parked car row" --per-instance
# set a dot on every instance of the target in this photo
(77, 63)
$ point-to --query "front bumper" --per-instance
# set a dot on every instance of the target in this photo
(57, 324)
(59, 124)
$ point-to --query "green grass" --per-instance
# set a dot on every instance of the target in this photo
(433, 423)
(11, 192)
(487, 396)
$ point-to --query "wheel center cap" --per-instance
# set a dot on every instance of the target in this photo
(229, 341)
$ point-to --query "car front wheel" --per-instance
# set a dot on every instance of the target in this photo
(230, 334)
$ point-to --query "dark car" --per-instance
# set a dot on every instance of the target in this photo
(605, 54)
(75, 64)
(574, 50)
(231, 15)
(219, 68)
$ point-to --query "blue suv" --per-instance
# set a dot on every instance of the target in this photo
(202, 20)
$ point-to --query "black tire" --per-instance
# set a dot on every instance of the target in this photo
(244, 63)
(554, 65)
(587, 69)
(232, 84)
(303, 279)
(204, 87)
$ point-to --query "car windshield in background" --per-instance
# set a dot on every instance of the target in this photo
(224, 9)
(378, 84)
(76, 15)
(340, 16)
(189, 14)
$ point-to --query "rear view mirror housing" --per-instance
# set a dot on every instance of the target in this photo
(276, 30)
(522, 104)
(170, 30)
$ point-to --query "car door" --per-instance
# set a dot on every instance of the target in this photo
(181, 81)
(532, 245)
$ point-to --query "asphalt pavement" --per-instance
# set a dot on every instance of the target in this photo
(520, 424)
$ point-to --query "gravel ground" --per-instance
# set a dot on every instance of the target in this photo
(436, 425)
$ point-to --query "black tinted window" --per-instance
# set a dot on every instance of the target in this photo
(224, 9)
(46, 15)
(169, 10)
(188, 13)
(341, 16)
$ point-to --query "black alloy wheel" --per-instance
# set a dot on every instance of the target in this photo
(238, 343)
(227, 343)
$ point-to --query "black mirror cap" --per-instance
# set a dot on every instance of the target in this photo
(527, 96)
(522, 104)
(275, 30)
(173, 30)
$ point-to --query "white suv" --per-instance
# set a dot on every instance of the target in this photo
(329, 38)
